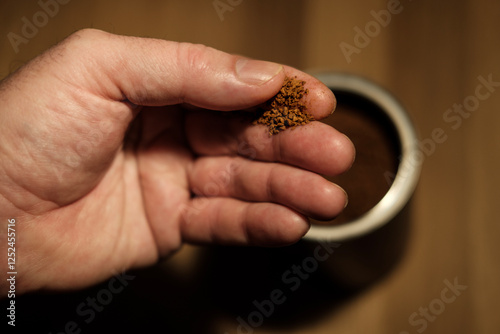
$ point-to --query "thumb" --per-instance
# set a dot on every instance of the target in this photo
(68, 106)
(157, 72)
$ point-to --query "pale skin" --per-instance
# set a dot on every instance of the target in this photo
(111, 157)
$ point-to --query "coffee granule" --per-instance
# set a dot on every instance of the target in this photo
(286, 110)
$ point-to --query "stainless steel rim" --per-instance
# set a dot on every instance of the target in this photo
(409, 167)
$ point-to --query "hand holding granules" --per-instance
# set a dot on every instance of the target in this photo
(285, 109)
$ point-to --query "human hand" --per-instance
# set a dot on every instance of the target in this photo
(111, 157)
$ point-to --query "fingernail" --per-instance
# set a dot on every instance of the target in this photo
(256, 72)
(345, 193)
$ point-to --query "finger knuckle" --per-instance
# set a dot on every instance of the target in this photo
(194, 56)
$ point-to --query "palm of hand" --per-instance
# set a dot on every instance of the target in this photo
(101, 215)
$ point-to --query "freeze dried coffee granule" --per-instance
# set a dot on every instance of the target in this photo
(286, 110)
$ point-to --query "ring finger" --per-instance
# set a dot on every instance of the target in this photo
(255, 181)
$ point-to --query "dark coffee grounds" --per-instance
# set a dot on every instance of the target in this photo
(286, 109)
(377, 152)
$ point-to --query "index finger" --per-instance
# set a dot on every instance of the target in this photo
(314, 146)
(320, 101)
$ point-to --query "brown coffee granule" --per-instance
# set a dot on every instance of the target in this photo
(286, 110)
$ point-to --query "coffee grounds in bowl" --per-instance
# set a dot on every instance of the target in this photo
(377, 155)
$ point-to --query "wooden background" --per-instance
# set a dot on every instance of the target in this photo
(430, 56)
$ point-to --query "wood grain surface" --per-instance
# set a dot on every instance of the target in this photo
(432, 56)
